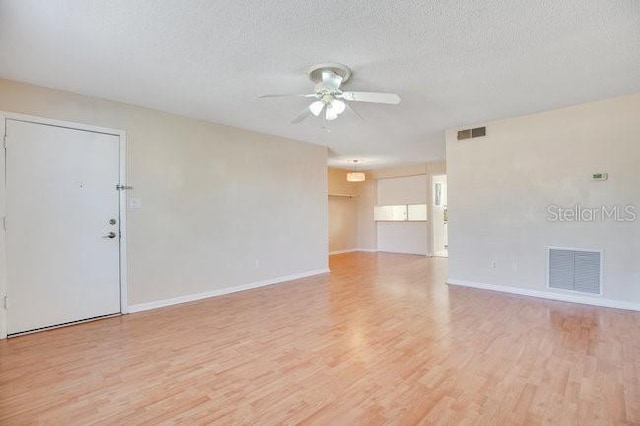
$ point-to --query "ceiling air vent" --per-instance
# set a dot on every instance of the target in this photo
(477, 132)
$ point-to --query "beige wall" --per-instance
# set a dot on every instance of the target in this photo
(400, 171)
(500, 188)
(367, 230)
(221, 207)
(343, 211)
(337, 182)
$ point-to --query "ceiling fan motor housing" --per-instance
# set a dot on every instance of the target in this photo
(315, 72)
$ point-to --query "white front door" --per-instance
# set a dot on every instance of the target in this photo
(62, 225)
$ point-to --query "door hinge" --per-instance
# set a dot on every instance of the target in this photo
(123, 187)
(5, 302)
(4, 223)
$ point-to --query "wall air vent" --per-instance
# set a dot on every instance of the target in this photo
(575, 270)
(477, 132)
(464, 134)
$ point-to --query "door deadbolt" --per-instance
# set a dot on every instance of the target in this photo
(112, 221)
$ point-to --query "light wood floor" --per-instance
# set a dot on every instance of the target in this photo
(381, 340)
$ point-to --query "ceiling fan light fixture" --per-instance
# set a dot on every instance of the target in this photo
(338, 105)
(331, 113)
(316, 107)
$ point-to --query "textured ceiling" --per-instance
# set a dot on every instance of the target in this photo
(453, 63)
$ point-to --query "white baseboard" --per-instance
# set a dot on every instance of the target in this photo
(573, 298)
(222, 291)
(331, 253)
(403, 252)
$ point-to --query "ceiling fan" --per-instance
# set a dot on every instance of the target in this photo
(330, 100)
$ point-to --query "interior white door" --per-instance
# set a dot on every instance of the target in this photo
(61, 206)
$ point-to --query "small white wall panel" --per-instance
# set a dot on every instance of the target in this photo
(391, 213)
(402, 237)
(417, 212)
(402, 190)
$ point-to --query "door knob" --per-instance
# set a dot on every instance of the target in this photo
(110, 235)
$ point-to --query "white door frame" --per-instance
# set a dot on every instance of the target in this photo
(433, 211)
(124, 307)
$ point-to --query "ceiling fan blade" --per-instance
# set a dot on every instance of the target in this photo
(313, 95)
(331, 80)
(376, 97)
(304, 114)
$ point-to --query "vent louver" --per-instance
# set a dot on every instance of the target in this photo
(576, 270)
(464, 134)
(476, 132)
